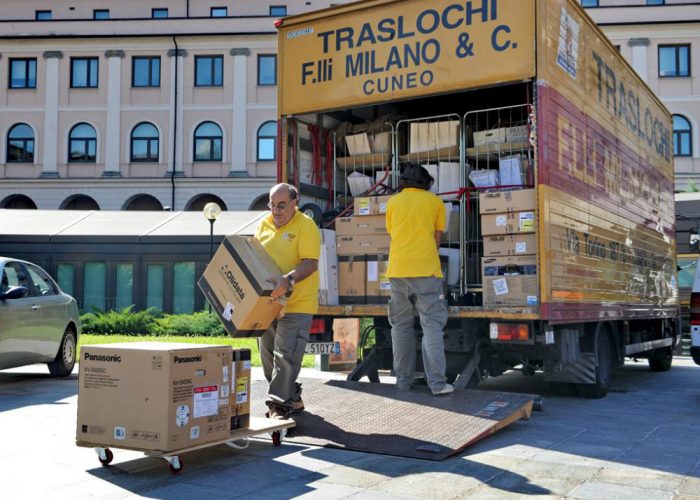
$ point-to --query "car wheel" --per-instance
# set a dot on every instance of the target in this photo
(661, 360)
(63, 365)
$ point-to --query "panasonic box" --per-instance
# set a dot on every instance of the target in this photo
(153, 395)
(235, 284)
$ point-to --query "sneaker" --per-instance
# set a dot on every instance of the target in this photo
(446, 389)
(276, 411)
(295, 405)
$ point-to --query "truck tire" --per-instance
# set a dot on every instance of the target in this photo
(603, 368)
(661, 360)
(312, 210)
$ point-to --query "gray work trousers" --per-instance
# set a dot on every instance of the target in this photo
(426, 296)
(281, 352)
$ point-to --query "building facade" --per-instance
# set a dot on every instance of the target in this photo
(661, 41)
(131, 105)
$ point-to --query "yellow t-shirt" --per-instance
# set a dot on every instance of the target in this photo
(288, 245)
(412, 217)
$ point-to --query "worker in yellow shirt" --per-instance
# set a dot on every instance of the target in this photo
(294, 243)
(415, 220)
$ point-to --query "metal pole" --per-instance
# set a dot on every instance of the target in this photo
(211, 248)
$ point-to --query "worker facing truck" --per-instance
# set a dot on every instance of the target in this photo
(415, 220)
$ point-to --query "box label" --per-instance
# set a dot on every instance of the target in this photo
(182, 415)
(500, 286)
(241, 390)
(205, 401)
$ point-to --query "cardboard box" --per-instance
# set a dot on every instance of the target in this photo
(358, 144)
(452, 255)
(431, 136)
(352, 279)
(371, 224)
(446, 178)
(508, 223)
(510, 244)
(328, 269)
(501, 135)
(512, 200)
(378, 286)
(381, 142)
(359, 183)
(513, 170)
(235, 284)
(154, 395)
(370, 205)
(451, 233)
(510, 281)
(363, 244)
(240, 389)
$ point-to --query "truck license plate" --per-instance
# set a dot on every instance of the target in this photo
(323, 348)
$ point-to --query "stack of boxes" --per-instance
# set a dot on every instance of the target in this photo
(509, 264)
(362, 245)
(162, 396)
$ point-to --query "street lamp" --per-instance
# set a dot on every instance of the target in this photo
(211, 213)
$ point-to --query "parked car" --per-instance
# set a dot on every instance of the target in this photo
(39, 323)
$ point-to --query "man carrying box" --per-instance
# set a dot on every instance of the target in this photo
(415, 219)
(294, 243)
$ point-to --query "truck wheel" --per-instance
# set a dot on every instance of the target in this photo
(661, 360)
(602, 372)
(62, 366)
(312, 210)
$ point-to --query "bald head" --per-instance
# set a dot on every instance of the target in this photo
(284, 189)
(283, 203)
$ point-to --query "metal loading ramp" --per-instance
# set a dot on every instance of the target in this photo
(377, 418)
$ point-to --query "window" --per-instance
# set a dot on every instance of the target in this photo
(94, 282)
(183, 288)
(41, 280)
(20, 144)
(13, 275)
(145, 71)
(673, 60)
(124, 281)
(22, 73)
(144, 143)
(83, 72)
(207, 142)
(154, 286)
(159, 13)
(682, 133)
(656, 2)
(219, 12)
(100, 14)
(209, 71)
(82, 143)
(267, 141)
(42, 15)
(589, 3)
(267, 69)
(65, 275)
(278, 10)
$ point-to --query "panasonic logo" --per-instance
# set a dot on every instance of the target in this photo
(187, 359)
(110, 358)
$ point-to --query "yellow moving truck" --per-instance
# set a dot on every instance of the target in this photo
(554, 160)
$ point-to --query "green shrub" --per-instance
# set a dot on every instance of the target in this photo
(200, 324)
(125, 321)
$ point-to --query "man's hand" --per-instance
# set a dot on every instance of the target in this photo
(281, 286)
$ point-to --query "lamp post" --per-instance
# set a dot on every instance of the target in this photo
(211, 213)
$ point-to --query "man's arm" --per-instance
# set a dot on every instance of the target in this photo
(438, 238)
(304, 269)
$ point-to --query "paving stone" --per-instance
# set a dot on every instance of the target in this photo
(603, 491)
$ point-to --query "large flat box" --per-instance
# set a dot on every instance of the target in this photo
(363, 244)
(446, 178)
(352, 279)
(359, 183)
(511, 200)
(154, 395)
(513, 170)
(510, 281)
(510, 244)
(378, 286)
(370, 224)
(328, 269)
(501, 135)
(235, 284)
(431, 136)
(451, 232)
(381, 142)
(452, 256)
(358, 144)
(240, 389)
(508, 223)
(484, 178)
